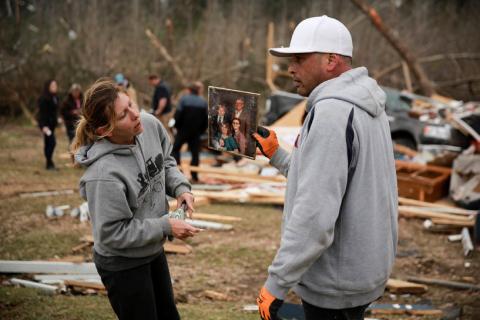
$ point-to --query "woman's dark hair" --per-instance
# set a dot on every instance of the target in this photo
(46, 88)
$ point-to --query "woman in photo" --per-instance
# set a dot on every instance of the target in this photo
(238, 135)
(129, 173)
(226, 141)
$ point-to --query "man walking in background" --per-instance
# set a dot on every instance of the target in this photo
(191, 121)
(339, 232)
(161, 100)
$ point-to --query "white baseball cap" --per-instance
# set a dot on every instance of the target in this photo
(318, 34)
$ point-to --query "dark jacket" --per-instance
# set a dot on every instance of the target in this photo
(48, 111)
(191, 116)
(70, 111)
(162, 91)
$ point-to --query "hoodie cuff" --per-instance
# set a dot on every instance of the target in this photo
(181, 189)
(279, 157)
(275, 289)
(165, 225)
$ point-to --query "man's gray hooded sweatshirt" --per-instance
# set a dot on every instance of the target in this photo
(339, 231)
(126, 187)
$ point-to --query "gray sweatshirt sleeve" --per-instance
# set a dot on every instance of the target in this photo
(322, 179)
(175, 181)
(114, 224)
(281, 161)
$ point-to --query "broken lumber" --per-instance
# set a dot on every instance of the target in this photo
(412, 212)
(445, 283)
(16, 266)
(85, 285)
(199, 201)
(401, 287)
(227, 196)
(60, 278)
(177, 248)
(212, 170)
(209, 225)
(408, 309)
(444, 208)
(217, 217)
(214, 295)
(243, 179)
(449, 222)
(31, 284)
(45, 193)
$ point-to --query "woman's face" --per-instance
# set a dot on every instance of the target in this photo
(128, 123)
(76, 93)
(236, 125)
(224, 130)
(52, 88)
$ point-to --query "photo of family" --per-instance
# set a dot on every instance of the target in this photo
(232, 118)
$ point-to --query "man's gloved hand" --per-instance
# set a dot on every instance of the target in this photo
(267, 141)
(268, 305)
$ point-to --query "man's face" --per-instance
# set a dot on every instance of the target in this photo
(221, 111)
(128, 123)
(308, 70)
(236, 124)
(153, 82)
(239, 104)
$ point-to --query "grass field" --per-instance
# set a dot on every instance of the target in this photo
(233, 262)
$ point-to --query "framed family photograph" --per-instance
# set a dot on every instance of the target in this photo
(232, 118)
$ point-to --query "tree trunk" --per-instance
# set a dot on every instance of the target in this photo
(425, 84)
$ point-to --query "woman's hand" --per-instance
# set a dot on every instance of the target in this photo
(188, 198)
(182, 230)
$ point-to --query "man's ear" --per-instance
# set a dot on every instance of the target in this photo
(101, 131)
(332, 61)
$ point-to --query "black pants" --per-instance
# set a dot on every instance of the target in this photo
(143, 292)
(317, 313)
(70, 128)
(193, 145)
(49, 143)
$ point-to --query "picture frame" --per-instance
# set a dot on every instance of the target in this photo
(232, 118)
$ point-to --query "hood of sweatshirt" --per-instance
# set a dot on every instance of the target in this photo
(354, 86)
(87, 155)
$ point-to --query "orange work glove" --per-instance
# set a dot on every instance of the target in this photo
(266, 141)
(268, 305)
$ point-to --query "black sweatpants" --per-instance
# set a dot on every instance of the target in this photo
(49, 143)
(193, 145)
(313, 313)
(144, 292)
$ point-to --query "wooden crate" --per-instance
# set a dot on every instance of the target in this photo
(422, 182)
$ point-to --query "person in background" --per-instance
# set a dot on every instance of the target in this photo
(130, 90)
(48, 120)
(191, 120)
(161, 100)
(129, 173)
(71, 109)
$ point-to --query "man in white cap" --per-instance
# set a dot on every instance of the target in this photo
(339, 232)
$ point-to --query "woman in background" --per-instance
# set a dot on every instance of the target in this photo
(71, 109)
(47, 119)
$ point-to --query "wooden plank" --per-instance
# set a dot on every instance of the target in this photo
(31, 284)
(243, 179)
(450, 209)
(199, 201)
(268, 200)
(404, 309)
(83, 286)
(63, 277)
(445, 283)
(449, 222)
(177, 248)
(411, 212)
(216, 217)
(209, 225)
(75, 259)
(81, 246)
(16, 266)
(229, 196)
(232, 173)
(400, 286)
(214, 295)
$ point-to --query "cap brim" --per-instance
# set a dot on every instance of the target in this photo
(287, 52)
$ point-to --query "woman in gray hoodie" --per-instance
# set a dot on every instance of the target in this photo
(129, 172)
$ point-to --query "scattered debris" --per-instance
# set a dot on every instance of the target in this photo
(400, 287)
(406, 309)
(445, 283)
(31, 284)
(17, 266)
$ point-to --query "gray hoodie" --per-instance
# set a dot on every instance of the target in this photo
(126, 187)
(339, 232)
